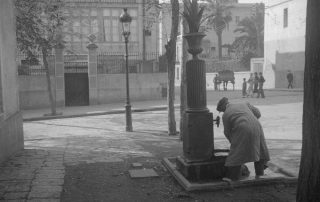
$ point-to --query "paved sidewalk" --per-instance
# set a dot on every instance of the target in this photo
(32, 174)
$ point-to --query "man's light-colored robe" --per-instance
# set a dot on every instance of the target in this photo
(244, 131)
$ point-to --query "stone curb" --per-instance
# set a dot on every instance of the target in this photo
(220, 185)
(94, 114)
(284, 89)
(281, 170)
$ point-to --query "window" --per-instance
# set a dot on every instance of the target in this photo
(112, 30)
(76, 30)
(178, 73)
(178, 55)
(285, 17)
(133, 30)
(237, 19)
(81, 23)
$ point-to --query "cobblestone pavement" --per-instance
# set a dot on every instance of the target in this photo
(37, 173)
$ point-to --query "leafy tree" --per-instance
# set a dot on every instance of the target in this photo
(218, 17)
(38, 27)
(309, 173)
(250, 41)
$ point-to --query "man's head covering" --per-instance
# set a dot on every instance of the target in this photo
(221, 104)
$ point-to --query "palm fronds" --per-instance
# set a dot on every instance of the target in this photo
(193, 14)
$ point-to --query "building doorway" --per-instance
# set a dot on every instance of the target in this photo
(76, 89)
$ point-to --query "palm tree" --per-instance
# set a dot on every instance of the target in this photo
(218, 18)
(248, 39)
(251, 38)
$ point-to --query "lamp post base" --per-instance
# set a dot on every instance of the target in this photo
(128, 118)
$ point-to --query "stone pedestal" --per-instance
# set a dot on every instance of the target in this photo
(213, 169)
(198, 138)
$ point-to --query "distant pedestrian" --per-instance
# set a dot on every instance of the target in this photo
(255, 83)
(250, 85)
(216, 82)
(261, 80)
(290, 79)
(244, 88)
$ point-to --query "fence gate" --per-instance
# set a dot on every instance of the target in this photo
(76, 84)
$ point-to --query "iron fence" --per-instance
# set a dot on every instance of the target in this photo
(216, 65)
(33, 66)
(79, 57)
(114, 62)
(76, 67)
(107, 63)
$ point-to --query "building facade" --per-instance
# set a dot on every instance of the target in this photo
(101, 18)
(11, 133)
(284, 42)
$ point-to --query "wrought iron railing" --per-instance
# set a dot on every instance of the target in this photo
(76, 67)
(114, 62)
(33, 66)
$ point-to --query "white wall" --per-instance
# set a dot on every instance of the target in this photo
(210, 76)
(284, 46)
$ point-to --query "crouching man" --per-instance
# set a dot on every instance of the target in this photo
(245, 134)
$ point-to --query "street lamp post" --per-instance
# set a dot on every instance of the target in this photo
(125, 20)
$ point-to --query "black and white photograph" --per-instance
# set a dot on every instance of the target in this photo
(159, 100)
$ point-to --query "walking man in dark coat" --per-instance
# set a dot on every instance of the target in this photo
(290, 79)
(216, 82)
(255, 83)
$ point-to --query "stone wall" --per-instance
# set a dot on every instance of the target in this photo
(110, 88)
(33, 92)
(11, 134)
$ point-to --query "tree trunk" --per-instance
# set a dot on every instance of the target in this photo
(309, 173)
(259, 40)
(143, 32)
(183, 83)
(171, 58)
(46, 66)
(219, 35)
